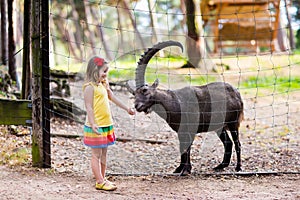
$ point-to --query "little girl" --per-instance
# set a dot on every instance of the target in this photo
(98, 128)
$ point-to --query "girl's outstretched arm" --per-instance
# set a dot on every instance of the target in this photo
(119, 103)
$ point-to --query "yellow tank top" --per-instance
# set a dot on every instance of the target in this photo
(102, 112)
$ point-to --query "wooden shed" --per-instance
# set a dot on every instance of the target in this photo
(241, 23)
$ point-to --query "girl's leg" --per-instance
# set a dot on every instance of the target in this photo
(99, 168)
(95, 164)
(103, 165)
(103, 162)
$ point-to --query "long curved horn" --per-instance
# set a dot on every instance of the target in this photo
(145, 58)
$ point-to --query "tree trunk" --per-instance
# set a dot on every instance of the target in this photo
(89, 31)
(120, 28)
(193, 41)
(153, 21)
(68, 38)
(3, 33)
(78, 34)
(12, 46)
(138, 34)
(99, 32)
(26, 72)
(291, 33)
(105, 46)
(281, 38)
(183, 9)
(298, 39)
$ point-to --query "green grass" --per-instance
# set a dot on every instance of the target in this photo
(121, 74)
(117, 74)
(200, 80)
(295, 59)
(297, 51)
(279, 84)
(126, 67)
(69, 68)
(158, 68)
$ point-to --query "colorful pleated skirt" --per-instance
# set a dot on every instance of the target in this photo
(105, 138)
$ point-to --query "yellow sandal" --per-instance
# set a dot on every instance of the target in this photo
(105, 179)
(106, 185)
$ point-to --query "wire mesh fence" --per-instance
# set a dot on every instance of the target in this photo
(120, 31)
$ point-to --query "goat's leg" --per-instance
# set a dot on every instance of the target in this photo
(237, 144)
(224, 137)
(185, 142)
(185, 166)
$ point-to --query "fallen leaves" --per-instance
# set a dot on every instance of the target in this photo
(14, 150)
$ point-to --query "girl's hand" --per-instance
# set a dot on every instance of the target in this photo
(131, 111)
(95, 128)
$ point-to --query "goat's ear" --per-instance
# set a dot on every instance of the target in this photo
(155, 84)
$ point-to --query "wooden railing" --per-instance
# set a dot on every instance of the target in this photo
(15, 112)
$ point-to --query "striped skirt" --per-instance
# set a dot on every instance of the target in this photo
(105, 138)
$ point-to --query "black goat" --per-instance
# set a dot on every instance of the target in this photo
(213, 107)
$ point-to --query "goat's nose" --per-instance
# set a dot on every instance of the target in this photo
(138, 106)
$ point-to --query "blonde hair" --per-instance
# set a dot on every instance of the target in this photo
(93, 67)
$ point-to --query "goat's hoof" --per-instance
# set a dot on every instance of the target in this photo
(178, 170)
(238, 168)
(217, 169)
(183, 170)
(220, 167)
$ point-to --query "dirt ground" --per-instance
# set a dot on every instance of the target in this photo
(29, 183)
(143, 170)
(270, 144)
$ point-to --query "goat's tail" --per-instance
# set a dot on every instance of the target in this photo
(241, 116)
